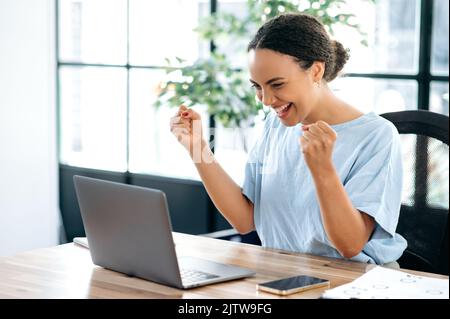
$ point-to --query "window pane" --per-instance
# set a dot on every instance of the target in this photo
(436, 161)
(377, 95)
(392, 28)
(93, 31)
(153, 148)
(93, 117)
(439, 54)
(235, 47)
(438, 194)
(439, 97)
(164, 30)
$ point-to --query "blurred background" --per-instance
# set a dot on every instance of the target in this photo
(87, 87)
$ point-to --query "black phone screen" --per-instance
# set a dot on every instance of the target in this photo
(293, 282)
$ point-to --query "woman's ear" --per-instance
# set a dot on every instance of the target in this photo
(317, 71)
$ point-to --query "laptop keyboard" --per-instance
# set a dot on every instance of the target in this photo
(191, 276)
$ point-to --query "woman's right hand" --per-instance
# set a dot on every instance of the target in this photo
(186, 126)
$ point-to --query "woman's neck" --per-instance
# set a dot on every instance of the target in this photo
(332, 110)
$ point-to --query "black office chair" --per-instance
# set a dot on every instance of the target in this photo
(424, 212)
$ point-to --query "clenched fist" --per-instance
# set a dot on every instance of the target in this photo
(317, 145)
(186, 126)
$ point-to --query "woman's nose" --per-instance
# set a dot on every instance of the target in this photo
(267, 98)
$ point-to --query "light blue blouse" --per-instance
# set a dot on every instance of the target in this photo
(367, 158)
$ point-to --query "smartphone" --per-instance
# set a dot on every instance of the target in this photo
(292, 285)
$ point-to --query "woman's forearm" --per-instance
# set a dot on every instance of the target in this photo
(224, 192)
(346, 227)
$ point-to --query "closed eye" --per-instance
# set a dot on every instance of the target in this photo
(256, 86)
(277, 85)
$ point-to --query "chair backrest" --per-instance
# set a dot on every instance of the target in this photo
(424, 212)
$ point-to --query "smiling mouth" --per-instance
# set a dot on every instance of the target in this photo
(283, 110)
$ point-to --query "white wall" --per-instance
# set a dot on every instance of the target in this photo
(29, 215)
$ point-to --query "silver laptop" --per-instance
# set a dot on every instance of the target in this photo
(128, 230)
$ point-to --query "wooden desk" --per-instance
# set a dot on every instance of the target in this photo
(67, 271)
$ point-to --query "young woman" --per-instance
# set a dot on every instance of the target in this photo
(324, 178)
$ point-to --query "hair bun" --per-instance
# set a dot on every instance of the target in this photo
(341, 56)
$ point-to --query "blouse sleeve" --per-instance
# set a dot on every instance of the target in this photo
(374, 184)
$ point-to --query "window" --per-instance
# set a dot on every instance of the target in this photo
(439, 97)
(377, 95)
(93, 31)
(164, 29)
(392, 28)
(93, 117)
(153, 148)
(439, 52)
(237, 49)
(439, 58)
(111, 55)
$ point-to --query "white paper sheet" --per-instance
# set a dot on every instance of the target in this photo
(384, 283)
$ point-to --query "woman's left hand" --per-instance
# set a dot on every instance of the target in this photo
(317, 145)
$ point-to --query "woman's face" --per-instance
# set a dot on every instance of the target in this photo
(281, 84)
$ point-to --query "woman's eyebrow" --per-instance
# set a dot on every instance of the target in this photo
(270, 81)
